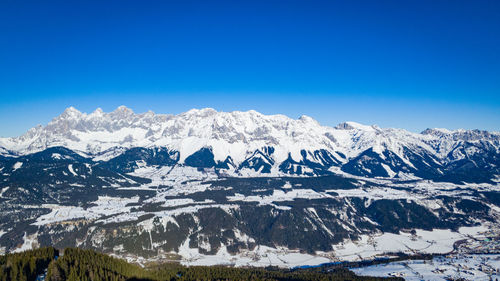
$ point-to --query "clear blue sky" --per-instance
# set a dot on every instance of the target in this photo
(407, 64)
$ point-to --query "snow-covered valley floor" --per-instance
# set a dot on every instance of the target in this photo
(452, 267)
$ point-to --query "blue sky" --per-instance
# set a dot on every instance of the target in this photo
(406, 64)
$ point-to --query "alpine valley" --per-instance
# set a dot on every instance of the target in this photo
(242, 188)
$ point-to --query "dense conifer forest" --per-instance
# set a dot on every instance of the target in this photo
(26, 265)
(87, 265)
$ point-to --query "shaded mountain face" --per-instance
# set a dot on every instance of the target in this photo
(58, 175)
(251, 144)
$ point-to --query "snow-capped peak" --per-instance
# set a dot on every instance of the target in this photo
(122, 110)
(307, 119)
(350, 125)
(71, 112)
(461, 134)
(97, 113)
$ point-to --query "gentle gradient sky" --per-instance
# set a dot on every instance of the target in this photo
(407, 64)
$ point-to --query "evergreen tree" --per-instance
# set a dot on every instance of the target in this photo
(88, 265)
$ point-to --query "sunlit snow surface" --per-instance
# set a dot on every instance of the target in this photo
(261, 256)
(104, 206)
(30, 242)
(468, 267)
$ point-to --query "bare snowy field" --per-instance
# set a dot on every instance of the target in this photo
(463, 267)
(368, 248)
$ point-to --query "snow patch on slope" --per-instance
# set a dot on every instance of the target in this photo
(70, 169)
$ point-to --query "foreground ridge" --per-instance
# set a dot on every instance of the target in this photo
(77, 264)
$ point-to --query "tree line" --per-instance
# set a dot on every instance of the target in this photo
(87, 265)
(26, 265)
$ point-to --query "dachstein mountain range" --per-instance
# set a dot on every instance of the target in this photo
(243, 188)
(250, 143)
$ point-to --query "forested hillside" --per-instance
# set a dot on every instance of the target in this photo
(26, 265)
(81, 265)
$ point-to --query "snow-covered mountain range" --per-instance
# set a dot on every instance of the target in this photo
(244, 188)
(249, 143)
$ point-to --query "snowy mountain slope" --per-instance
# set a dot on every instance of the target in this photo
(197, 215)
(251, 143)
(57, 174)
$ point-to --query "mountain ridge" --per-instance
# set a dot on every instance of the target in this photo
(240, 140)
